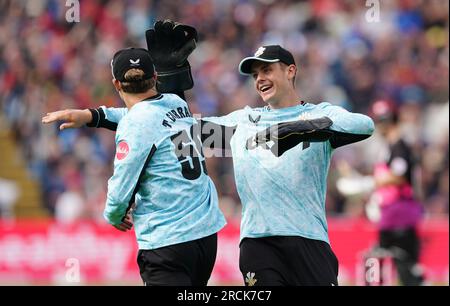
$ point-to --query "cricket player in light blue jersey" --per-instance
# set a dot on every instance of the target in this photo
(284, 233)
(159, 170)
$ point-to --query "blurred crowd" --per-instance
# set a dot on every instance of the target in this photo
(345, 56)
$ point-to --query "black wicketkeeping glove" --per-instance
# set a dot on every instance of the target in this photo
(170, 43)
(287, 135)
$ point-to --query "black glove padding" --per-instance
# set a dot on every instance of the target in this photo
(287, 135)
(170, 44)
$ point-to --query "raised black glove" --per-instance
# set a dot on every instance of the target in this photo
(287, 135)
(170, 43)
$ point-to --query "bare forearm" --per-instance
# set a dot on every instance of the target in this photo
(73, 118)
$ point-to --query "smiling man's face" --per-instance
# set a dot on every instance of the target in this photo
(273, 80)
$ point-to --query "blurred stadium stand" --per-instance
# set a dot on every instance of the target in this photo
(24, 199)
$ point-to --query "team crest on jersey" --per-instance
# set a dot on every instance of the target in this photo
(250, 279)
(122, 150)
(254, 120)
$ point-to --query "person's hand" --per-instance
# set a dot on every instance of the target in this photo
(127, 222)
(73, 118)
(170, 43)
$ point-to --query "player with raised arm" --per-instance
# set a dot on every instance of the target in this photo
(284, 234)
(176, 231)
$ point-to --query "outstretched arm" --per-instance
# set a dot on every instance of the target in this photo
(106, 117)
(169, 44)
(72, 118)
(347, 127)
(101, 117)
(286, 135)
(338, 126)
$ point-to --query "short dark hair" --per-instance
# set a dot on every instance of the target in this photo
(135, 82)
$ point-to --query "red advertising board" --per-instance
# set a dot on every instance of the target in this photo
(45, 252)
(351, 238)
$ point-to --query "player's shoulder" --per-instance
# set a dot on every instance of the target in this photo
(172, 99)
(239, 113)
(153, 107)
(139, 116)
(323, 105)
(243, 114)
(139, 112)
(327, 107)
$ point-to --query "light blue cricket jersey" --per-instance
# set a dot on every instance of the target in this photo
(285, 195)
(176, 201)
